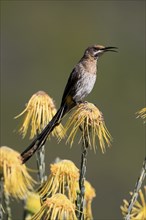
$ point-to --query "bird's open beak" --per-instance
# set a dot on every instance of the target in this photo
(105, 49)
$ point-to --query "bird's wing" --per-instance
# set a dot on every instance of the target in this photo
(70, 86)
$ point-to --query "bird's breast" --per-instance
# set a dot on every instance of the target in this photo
(84, 85)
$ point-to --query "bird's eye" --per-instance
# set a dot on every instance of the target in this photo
(95, 49)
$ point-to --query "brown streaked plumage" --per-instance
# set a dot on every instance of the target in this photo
(80, 83)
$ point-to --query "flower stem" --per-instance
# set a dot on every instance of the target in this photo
(7, 204)
(40, 157)
(83, 168)
(136, 190)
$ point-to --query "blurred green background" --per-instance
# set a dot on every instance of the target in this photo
(41, 42)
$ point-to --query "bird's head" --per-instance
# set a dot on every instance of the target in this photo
(96, 51)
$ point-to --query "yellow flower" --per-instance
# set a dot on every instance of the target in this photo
(17, 181)
(58, 207)
(138, 211)
(89, 195)
(62, 179)
(32, 203)
(141, 113)
(89, 119)
(38, 113)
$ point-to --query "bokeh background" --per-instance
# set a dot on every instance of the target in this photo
(41, 41)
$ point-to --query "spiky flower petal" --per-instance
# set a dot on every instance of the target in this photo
(89, 120)
(62, 179)
(17, 181)
(142, 114)
(56, 207)
(32, 203)
(38, 113)
(89, 195)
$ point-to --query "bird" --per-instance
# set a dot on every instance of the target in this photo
(80, 83)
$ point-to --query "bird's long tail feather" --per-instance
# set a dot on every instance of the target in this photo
(41, 138)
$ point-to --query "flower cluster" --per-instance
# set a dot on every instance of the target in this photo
(59, 193)
(56, 207)
(63, 178)
(88, 118)
(17, 181)
(38, 113)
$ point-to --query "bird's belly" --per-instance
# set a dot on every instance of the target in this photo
(84, 86)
